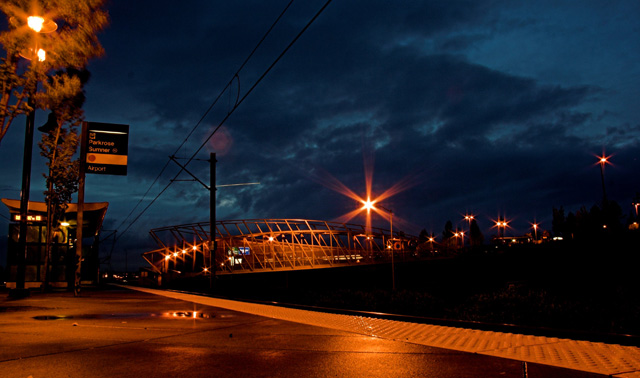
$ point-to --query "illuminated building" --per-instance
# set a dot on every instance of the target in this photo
(62, 260)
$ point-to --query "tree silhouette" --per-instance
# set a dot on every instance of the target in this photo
(475, 235)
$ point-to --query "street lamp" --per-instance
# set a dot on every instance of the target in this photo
(602, 161)
(38, 25)
(468, 218)
(431, 240)
(369, 205)
(501, 224)
(535, 230)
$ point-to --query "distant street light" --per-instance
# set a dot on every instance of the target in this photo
(468, 218)
(602, 161)
(431, 240)
(501, 224)
(535, 230)
(459, 234)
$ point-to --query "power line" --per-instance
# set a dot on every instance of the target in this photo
(215, 101)
(238, 101)
(261, 78)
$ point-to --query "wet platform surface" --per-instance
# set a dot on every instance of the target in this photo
(607, 359)
(134, 333)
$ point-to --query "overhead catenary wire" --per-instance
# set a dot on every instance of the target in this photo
(215, 101)
(231, 111)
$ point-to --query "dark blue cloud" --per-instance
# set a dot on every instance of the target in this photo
(488, 107)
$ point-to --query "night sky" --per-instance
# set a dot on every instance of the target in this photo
(494, 108)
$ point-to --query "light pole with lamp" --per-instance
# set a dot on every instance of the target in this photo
(38, 25)
(501, 224)
(368, 205)
(603, 160)
(468, 218)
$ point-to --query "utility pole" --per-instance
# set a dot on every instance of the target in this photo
(212, 218)
(84, 141)
(212, 210)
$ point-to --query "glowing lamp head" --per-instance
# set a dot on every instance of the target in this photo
(368, 204)
(41, 25)
(35, 23)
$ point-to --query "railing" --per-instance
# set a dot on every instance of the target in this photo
(261, 245)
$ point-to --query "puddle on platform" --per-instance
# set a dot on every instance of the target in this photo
(52, 317)
(172, 315)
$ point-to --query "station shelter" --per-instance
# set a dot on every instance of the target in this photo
(63, 247)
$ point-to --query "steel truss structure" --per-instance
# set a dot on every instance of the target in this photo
(267, 245)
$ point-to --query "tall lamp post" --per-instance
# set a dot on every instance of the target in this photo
(603, 160)
(535, 231)
(501, 224)
(368, 205)
(38, 25)
(468, 218)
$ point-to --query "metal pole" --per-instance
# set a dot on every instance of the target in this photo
(212, 218)
(393, 269)
(24, 197)
(604, 192)
(80, 214)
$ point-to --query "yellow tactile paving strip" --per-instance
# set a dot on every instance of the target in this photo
(609, 359)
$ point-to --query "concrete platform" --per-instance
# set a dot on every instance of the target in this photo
(142, 332)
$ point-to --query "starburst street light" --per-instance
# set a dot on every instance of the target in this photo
(469, 218)
(535, 226)
(602, 161)
(501, 223)
(369, 205)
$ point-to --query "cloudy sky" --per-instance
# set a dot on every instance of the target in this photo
(483, 107)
